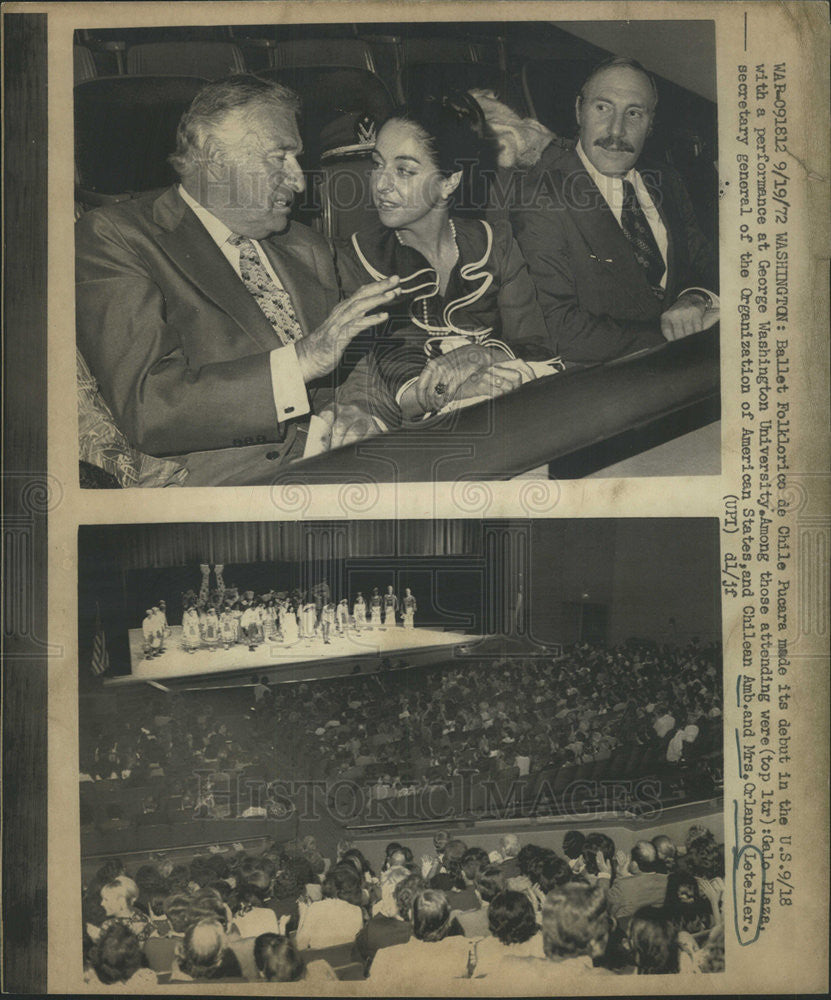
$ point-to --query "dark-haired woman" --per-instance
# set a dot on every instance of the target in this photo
(437, 952)
(466, 320)
(514, 930)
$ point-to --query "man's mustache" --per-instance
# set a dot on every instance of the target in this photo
(615, 145)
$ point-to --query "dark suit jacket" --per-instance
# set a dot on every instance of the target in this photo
(179, 347)
(594, 295)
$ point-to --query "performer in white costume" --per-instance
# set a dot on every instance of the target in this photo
(210, 628)
(163, 625)
(150, 629)
(327, 621)
(342, 616)
(250, 626)
(228, 627)
(309, 619)
(288, 623)
(375, 608)
(390, 606)
(359, 612)
(191, 633)
(409, 609)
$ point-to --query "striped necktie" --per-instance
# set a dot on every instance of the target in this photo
(637, 230)
(274, 301)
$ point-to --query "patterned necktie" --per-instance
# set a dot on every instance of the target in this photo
(641, 238)
(274, 301)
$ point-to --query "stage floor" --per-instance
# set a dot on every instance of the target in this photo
(377, 643)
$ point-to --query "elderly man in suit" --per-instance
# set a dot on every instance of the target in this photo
(209, 319)
(612, 245)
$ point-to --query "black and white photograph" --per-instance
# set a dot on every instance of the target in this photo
(391, 251)
(400, 753)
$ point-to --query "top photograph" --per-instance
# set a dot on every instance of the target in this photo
(396, 252)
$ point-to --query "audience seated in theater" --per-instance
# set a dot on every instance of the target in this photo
(337, 918)
(116, 960)
(646, 887)
(575, 931)
(160, 948)
(612, 691)
(195, 931)
(512, 930)
(437, 952)
(204, 954)
(278, 961)
(487, 881)
(390, 923)
(505, 855)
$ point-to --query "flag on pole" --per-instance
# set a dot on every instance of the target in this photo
(100, 662)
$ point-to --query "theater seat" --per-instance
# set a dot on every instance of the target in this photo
(340, 958)
(327, 94)
(324, 52)
(441, 61)
(422, 79)
(83, 65)
(211, 60)
(125, 128)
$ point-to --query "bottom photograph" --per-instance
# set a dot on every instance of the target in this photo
(402, 752)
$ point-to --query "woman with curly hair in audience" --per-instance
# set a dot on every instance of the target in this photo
(116, 958)
(513, 932)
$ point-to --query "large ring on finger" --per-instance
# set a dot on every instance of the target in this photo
(440, 388)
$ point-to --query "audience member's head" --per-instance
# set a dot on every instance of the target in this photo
(343, 882)
(666, 852)
(177, 909)
(118, 896)
(644, 857)
(573, 842)
(705, 858)
(202, 948)
(653, 941)
(594, 843)
(489, 880)
(404, 894)
(575, 921)
(432, 916)
(277, 959)
(509, 845)
(472, 862)
(117, 954)
(511, 917)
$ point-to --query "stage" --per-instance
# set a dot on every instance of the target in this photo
(305, 659)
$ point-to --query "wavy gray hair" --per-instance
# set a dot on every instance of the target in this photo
(243, 94)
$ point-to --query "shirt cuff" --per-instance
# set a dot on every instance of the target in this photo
(290, 397)
(714, 302)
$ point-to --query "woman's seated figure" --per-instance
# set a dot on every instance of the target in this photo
(466, 321)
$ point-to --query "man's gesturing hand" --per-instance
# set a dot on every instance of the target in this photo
(320, 352)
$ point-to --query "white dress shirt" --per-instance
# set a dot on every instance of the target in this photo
(612, 190)
(290, 397)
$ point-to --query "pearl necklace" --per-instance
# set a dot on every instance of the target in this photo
(424, 315)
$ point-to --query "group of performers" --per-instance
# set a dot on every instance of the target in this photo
(155, 629)
(224, 617)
